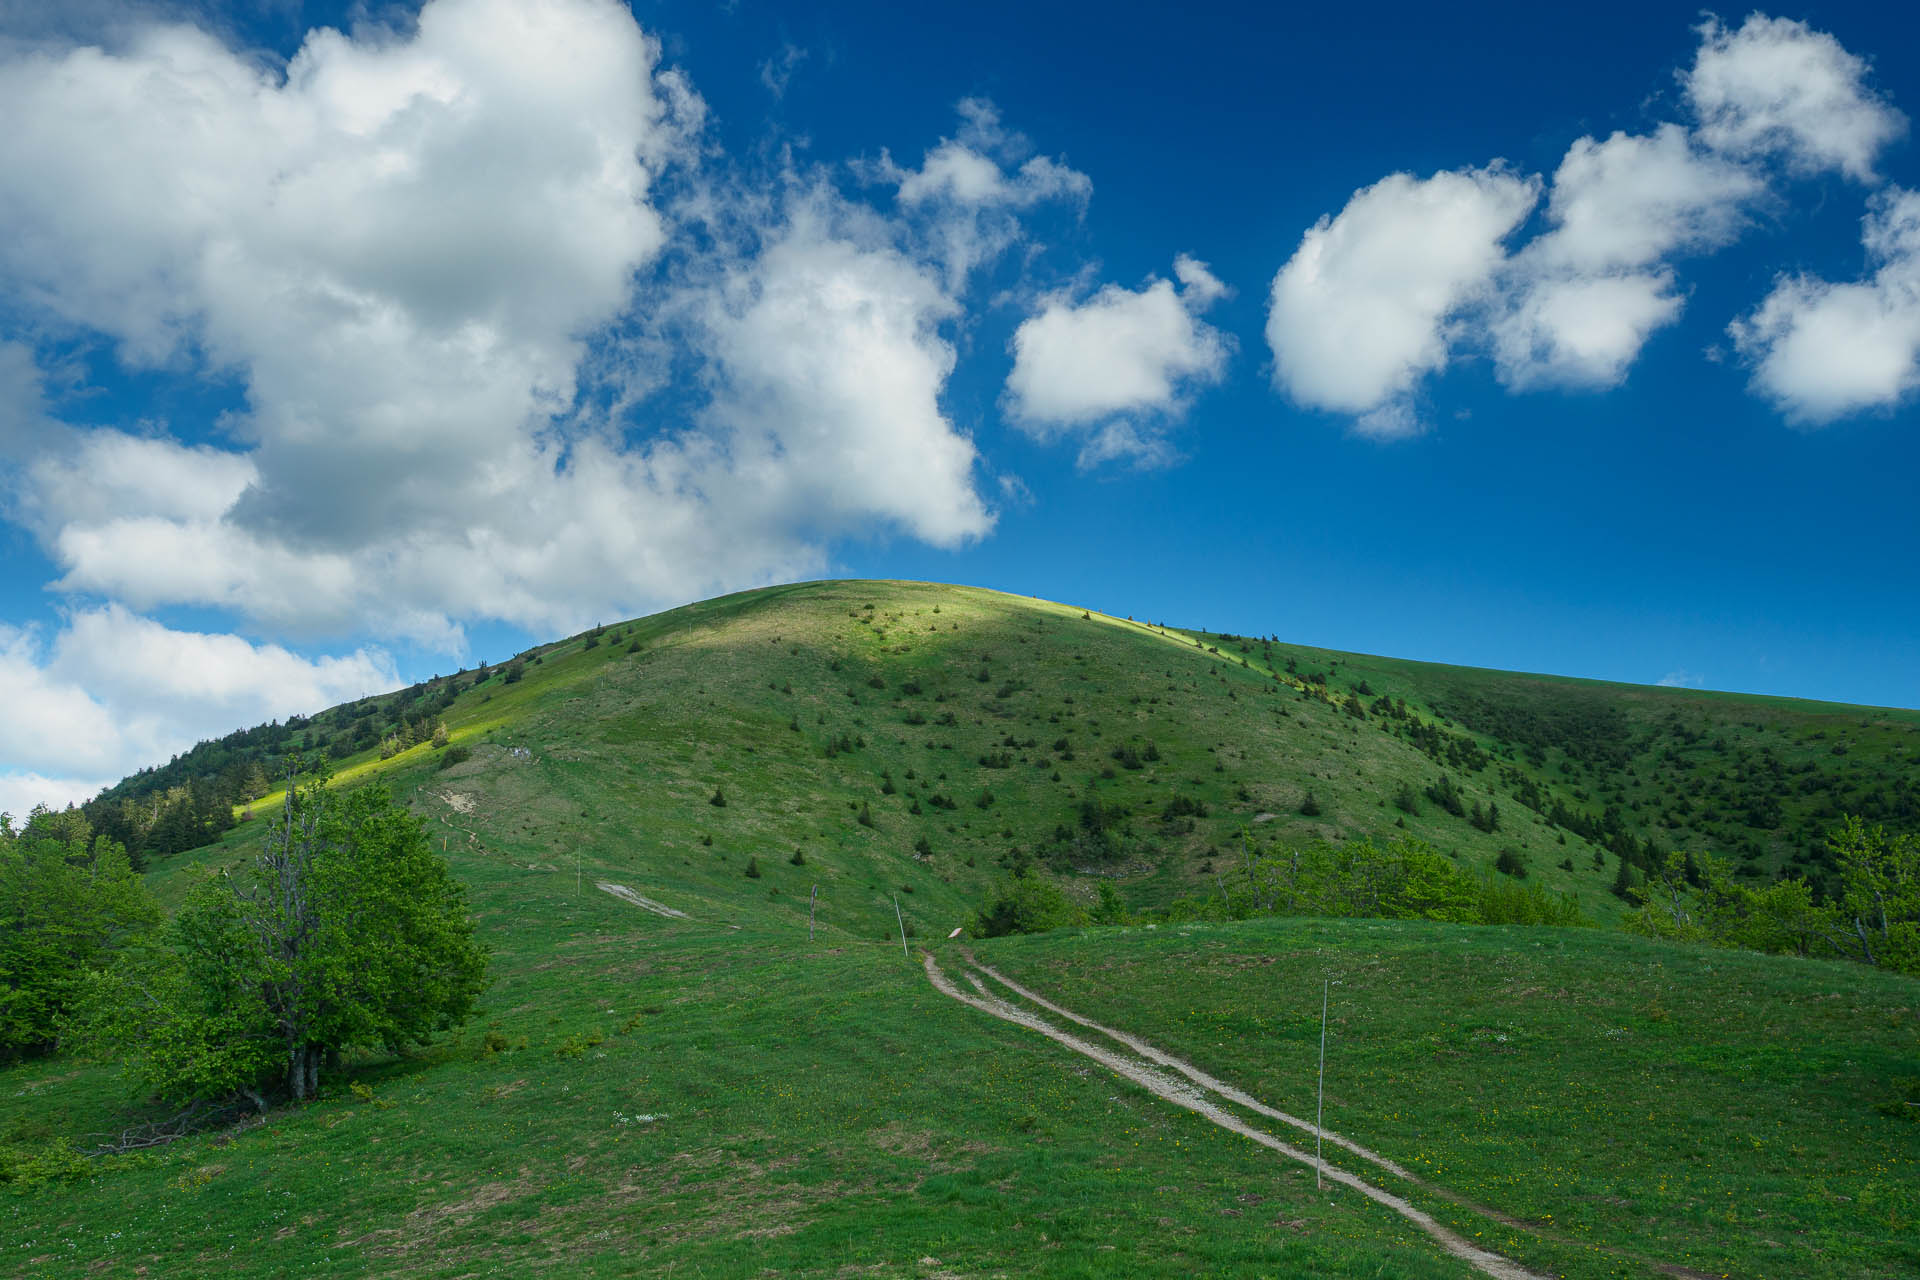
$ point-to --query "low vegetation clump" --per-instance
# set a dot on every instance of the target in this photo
(1874, 919)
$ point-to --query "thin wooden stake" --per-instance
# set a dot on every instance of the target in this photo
(903, 927)
(1320, 1104)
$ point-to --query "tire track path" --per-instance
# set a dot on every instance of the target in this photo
(1182, 1092)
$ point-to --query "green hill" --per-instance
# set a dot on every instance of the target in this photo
(672, 1079)
(801, 701)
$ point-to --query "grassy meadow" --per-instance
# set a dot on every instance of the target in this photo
(719, 1095)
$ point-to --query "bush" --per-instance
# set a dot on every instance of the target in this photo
(719, 799)
(1512, 864)
(1025, 904)
(453, 756)
(23, 1166)
(1502, 902)
(1310, 804)
(753, 869)
(798, 859)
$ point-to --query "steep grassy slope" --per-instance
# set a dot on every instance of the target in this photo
(665, 1095)
(973, 726)
(799, 702)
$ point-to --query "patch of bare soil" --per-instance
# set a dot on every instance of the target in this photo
(625, 894)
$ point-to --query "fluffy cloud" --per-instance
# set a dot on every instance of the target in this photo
(1121, 352)
(1631, 201)
(1581, 299)
(1778, 87)
(411, 249)
(831, 365)
(1366, 308)
(115, 691)
(1821, 350)
(1361, 311)
(968, 190)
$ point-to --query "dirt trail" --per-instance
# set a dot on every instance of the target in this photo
(1183, 1094)
(645, 904)
(1194, 1074)
(1544, 1230)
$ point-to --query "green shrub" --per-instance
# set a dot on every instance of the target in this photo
(24, 1166)
(1025, 904)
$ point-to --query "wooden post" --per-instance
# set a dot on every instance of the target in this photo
(1320, 1103)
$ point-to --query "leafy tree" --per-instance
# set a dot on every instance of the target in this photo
(1874, 918)
(348, 933)
(1879, 905)
(67, 904)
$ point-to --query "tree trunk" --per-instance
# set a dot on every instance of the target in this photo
(303, 1072)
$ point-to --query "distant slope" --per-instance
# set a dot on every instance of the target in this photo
(908, 734)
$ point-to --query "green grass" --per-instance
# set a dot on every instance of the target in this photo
(1709, 1109)
(825, 1112)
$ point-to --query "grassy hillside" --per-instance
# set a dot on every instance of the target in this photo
(712, 1093)
(811, 698)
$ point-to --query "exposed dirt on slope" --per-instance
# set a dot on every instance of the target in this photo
(625, 894)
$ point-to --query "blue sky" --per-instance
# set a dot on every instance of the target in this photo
(343, 346)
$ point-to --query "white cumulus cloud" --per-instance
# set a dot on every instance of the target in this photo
(1580, 300)
(1138, 352)
(1361, 311)
(1822, 350)
(1775, 86)
(115, 691)
(966, 195)
(410, 248)
(1412, 275)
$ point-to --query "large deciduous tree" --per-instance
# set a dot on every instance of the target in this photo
(68, 900)
(348, 932)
